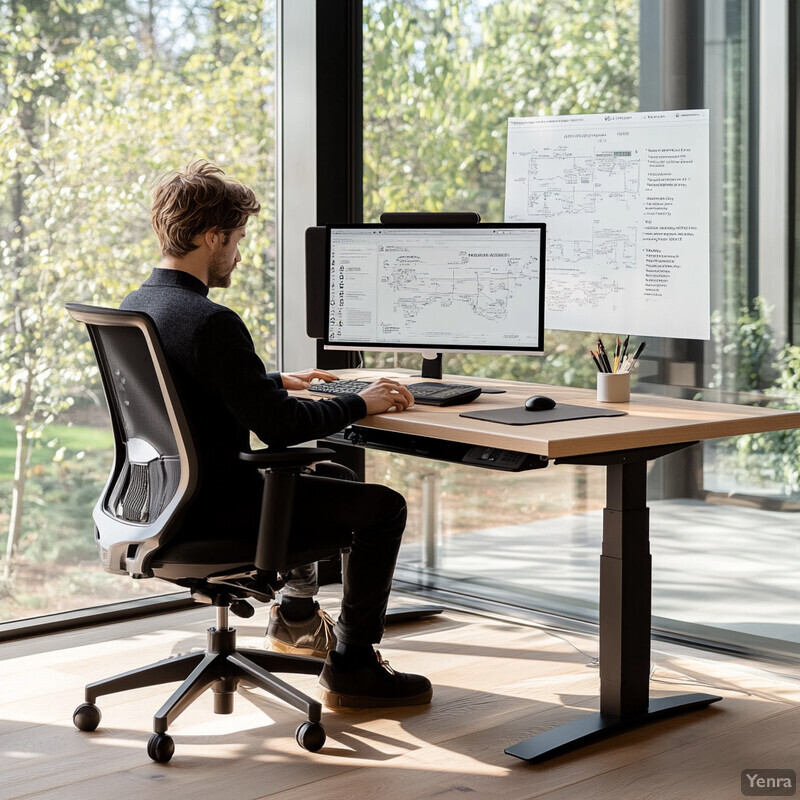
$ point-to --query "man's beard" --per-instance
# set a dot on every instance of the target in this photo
(219, 276)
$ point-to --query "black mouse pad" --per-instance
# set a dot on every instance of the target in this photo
(519, 415)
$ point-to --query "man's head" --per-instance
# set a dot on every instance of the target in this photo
(199, 201)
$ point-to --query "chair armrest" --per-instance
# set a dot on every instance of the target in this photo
(282, 469)
(291, 457)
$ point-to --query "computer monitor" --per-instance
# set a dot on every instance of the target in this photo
(436, 289)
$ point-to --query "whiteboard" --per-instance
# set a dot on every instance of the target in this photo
(626, 201)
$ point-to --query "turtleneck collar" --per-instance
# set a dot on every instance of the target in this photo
(177, 278)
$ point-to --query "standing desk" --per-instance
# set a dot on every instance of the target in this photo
(653, 426)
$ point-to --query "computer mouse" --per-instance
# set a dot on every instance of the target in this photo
(539, 403)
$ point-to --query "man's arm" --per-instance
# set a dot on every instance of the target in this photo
(227, 363)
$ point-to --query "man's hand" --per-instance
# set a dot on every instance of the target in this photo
(385, 395)
(302, 380)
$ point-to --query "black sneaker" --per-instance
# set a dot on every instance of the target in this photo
(375, 685)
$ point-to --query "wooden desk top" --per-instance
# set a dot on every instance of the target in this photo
(650, 420)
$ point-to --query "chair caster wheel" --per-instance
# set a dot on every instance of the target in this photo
(160, 747)
(86, 717)
(310, 736)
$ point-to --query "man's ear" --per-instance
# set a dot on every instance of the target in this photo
(211, 237)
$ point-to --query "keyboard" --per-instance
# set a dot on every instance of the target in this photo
(426, 393)
(443, 394)
(338, 387)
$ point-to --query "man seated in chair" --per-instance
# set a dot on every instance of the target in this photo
(200, 216)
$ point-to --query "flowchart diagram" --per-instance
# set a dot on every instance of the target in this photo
(625, 199)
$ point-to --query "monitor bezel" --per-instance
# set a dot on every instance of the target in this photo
(436, 348)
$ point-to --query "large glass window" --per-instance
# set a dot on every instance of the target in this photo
(441, 78)
(96, 100)
(440, 81)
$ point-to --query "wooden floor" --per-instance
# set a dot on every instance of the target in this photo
(495, 683)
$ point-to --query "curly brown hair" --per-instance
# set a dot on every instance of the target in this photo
(193, 200)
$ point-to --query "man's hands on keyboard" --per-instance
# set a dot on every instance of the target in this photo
(304, 378)
(385, 395)
(382, 395)
(428, 393)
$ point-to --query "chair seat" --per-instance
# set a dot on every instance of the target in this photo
(192, 559)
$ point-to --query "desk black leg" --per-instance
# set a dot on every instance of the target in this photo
(625, 594)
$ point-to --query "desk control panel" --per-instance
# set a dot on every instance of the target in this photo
(427, 447)
(495, 459)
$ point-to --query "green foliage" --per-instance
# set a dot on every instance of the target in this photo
(54, 439)
(788, 368)
(97, 98)
(68, 469)
(58, 521)
(441, 79)
(747, 362)
(774, 457)
(745, 348)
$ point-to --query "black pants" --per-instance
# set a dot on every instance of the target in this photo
(332, 502)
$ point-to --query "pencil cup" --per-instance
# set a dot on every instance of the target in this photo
(613, 387)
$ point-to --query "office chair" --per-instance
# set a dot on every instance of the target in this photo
(153, 480)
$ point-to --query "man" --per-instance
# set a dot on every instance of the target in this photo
(200, 218)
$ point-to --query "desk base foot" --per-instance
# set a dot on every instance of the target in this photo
(590, 729)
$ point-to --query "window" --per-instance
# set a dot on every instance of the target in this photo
(440, 79)
(97, 100)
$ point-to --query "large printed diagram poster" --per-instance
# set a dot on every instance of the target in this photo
(626, 201)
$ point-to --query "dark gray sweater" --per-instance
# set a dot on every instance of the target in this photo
(226, 390)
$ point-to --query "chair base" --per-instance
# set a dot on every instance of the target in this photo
(222, 667)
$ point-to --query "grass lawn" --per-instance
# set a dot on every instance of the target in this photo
(75, 438)
(56, 565)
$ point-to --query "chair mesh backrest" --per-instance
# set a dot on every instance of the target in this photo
(154, 471)
(150, 478)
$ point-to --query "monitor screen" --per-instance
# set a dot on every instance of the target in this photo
(436, 289)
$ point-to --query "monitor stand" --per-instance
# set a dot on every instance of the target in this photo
(431, 365)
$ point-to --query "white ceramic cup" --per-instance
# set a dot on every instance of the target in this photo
(613, 387)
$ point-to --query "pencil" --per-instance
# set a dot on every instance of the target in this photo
(636, 355)
(601, 351)
(597, 363)
(625, 346)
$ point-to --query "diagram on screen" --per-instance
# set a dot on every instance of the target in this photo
(483, 285)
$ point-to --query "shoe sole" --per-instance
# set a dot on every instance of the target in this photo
(355, 702)
(281, 647)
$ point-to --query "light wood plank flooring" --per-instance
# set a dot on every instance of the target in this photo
(495, 683)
